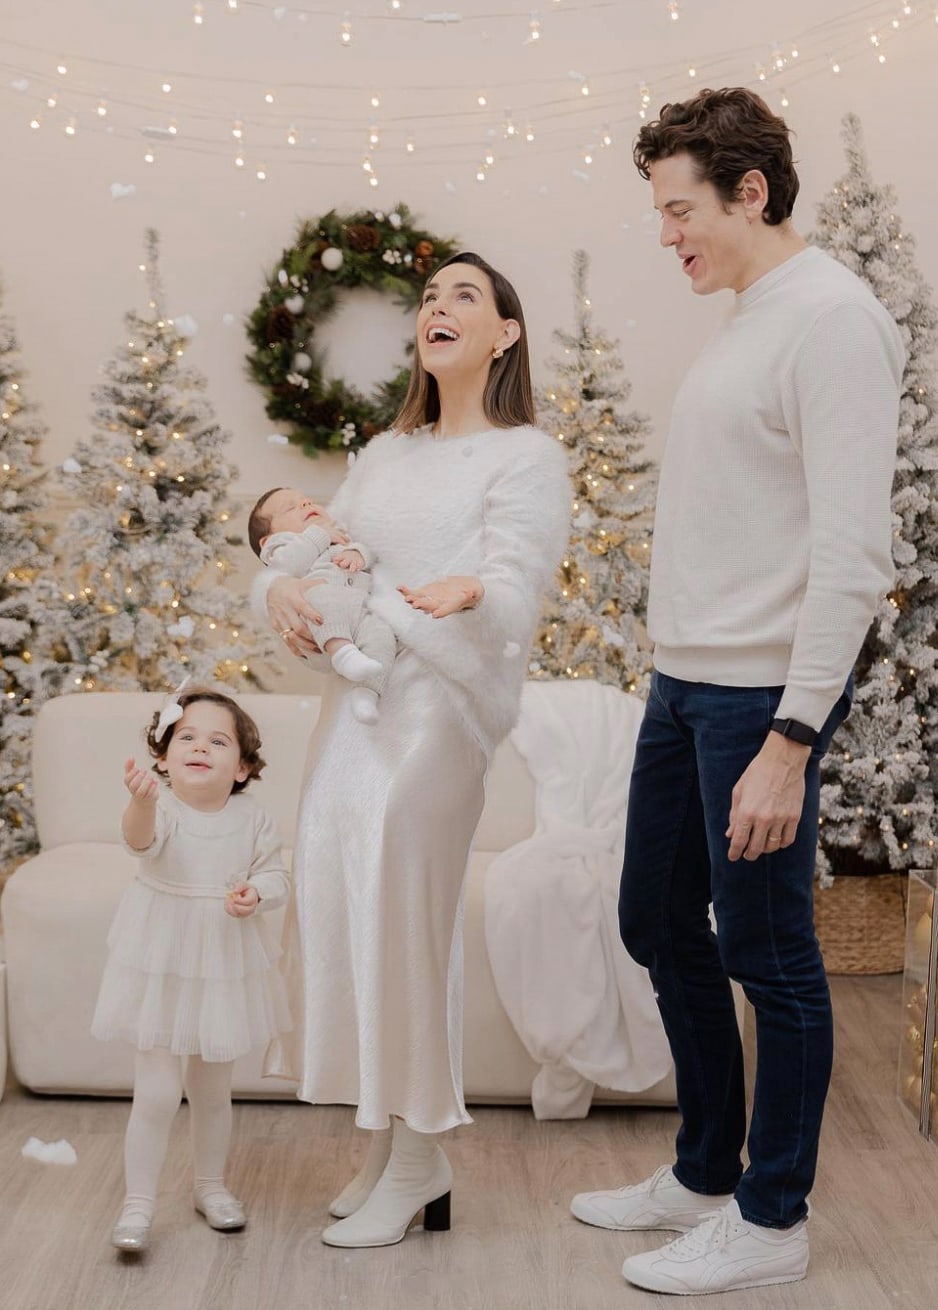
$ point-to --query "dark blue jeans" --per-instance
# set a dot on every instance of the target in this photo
(695, 742)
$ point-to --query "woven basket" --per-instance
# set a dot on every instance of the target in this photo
(860, 923)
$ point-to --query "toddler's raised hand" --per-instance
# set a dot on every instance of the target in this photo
(141, 783)
(241, 901)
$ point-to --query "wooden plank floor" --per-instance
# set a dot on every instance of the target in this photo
(874, 1232)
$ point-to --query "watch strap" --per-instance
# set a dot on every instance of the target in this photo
(795, 731)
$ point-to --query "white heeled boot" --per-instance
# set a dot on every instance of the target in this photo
(354, 1196)
(417, 1177)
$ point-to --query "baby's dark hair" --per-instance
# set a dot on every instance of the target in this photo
(249, 739)
(259, 522)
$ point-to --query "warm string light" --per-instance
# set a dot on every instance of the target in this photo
(779, 59)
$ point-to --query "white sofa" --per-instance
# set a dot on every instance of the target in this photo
(57, 906)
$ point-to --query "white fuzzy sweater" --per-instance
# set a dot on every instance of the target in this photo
(494, 505)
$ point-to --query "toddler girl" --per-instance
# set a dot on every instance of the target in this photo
(191, 977)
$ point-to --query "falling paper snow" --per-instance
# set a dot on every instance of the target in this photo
(60, 1152)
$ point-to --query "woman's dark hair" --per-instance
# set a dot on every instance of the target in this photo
(727, 133)
(249, 739)
(508, 399)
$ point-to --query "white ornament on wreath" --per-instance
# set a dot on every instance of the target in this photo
(295, 304)
(302, 362)
(332, 259)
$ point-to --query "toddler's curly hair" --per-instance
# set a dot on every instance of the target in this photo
(249, 739)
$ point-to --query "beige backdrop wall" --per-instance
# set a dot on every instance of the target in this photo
(69, 252)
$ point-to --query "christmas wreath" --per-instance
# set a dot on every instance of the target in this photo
(371, 248)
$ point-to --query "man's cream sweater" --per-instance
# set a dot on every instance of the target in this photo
(773, 528)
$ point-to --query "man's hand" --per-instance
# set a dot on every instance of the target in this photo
(242, 901)
(448, 596)
(141, 784)
(768, 799)
(353, 560)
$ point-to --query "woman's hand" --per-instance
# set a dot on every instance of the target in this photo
(448, 596)
(290, 612)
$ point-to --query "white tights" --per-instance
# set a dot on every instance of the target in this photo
(158, 1082)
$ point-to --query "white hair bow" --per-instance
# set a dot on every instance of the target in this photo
(172, 711)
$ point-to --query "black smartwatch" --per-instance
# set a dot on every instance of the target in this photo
(795, 731)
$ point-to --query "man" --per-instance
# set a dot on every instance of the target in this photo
(771, 548)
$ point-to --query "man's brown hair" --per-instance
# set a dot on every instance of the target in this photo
(727, 133)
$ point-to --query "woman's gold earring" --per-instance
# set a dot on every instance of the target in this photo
(497, 352)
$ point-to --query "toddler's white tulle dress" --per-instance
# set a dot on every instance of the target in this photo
(182, 973)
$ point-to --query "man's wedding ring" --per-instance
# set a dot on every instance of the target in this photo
(286, 633)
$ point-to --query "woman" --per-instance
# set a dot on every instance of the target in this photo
(466, 507)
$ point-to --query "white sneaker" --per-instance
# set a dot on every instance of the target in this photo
(723, 1254)
(659, 1202)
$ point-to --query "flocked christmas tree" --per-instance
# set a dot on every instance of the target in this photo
(147, 557)
(28, 601)
(879, 781)
(592, 625)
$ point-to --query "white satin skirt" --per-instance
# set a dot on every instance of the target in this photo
(374, 947)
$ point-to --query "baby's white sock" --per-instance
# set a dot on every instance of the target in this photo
(365, 705)
(351, 663)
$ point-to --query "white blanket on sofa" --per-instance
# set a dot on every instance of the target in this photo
(582, 1007)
